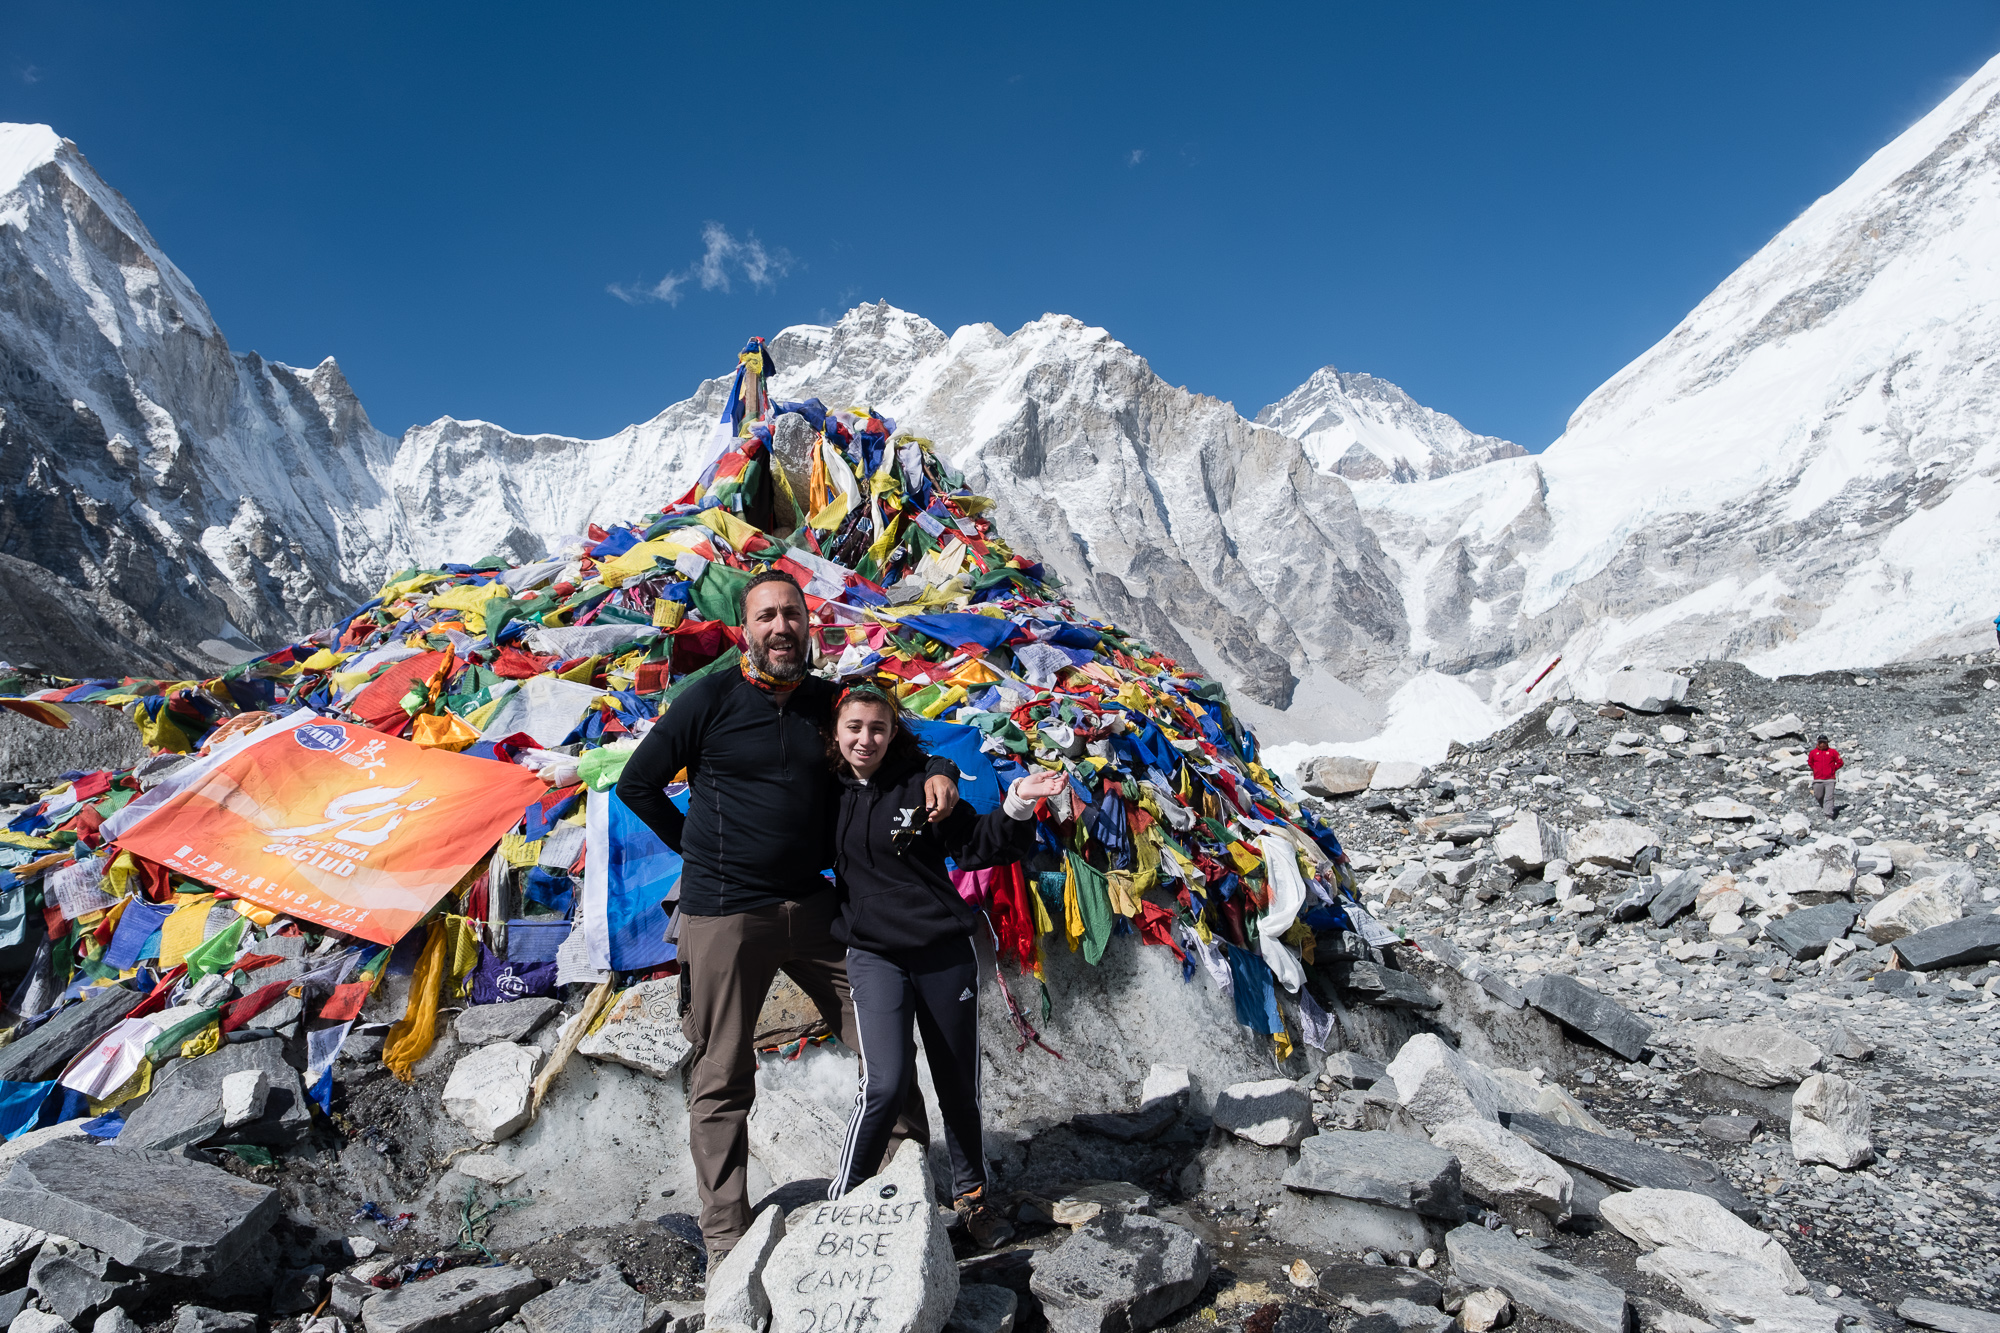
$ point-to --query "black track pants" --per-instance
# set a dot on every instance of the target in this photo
(935, 991)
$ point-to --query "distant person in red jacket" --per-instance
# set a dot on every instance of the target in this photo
(1824, 761)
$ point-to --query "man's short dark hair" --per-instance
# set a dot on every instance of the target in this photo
(769, 576)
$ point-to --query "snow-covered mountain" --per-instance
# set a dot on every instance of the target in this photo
(1163, 509)
(1367, 429)
(164, 502)
(1801, 475)
(1804, 474)
(167, 501)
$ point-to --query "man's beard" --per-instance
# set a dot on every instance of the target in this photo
(789, 671)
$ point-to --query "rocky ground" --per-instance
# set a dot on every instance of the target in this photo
(1921, 743)
(1715, 948)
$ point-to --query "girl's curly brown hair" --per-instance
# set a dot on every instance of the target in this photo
(905, 750)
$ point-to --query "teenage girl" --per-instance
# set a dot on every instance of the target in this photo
(909, 939)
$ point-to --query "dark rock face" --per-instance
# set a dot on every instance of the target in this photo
(1972, 939)
(1120, 1271)
(1546, 1285)
(185, 1106)
(42, 1053)
(157, 1212)
(1631, 1165)
(1602, 1020)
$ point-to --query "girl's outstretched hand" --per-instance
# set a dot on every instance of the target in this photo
(1041, 784)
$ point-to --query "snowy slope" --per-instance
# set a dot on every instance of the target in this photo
(1799, 476)
(1367, 429)
(164, 501)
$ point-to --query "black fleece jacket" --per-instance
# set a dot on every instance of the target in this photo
(758, 830)
(896, 901)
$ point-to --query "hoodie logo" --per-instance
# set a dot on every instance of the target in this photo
(905, 827)
(967, 995)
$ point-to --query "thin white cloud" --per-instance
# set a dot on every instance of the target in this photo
(1137, 156)
(724, 258)
(667, 289)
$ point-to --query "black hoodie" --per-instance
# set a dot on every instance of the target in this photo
(756, 832)
(892, 900)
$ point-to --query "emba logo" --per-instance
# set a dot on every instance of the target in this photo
(325, 736)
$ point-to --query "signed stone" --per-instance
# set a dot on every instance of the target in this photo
(875, 1260)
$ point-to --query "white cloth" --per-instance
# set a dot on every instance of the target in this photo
(1041, 663)
(544, 707)
(586, 640)
(75, 887)
(592, 936)
(1316, 1023)
(113, 1059)
(1288, 895)
(529, 576)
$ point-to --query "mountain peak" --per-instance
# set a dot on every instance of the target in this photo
(1367, 429)
(23, 148)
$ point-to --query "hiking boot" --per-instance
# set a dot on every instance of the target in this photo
(714, 1262)
(983, 1221)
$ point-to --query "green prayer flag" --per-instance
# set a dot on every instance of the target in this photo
(1093, 899)
(715, 593)
(214, 954)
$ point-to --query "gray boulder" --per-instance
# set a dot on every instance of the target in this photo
(514, 1020)
(735, 1296)
(1830, 1122)
(1527, 844)
(1739, 1292)
(1804, 934)
(1274, 1113)
(1595, 1016)
(1631, 1165)
(1437, 1085)
(1120, 1273)
(1337, 775)
(1676, 896)
(1762, 1055)
(202, 1319)
(41, 1054)
(642, 1030)
(1503, 1169)
(158, 1212)
(465, 1300)
(600, 1303)
(1975, 939)
(1379, 1167)
(186, 1103)
(1536, 1280)
(983, 1308)
(79, 1283)
(1611, 842)
(1645, 690)
(1947, 1318)
(877, 1256)
(1786, 724)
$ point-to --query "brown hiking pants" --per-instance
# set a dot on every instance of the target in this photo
(729, 963)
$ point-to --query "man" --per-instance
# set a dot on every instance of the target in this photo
(753, 900)
(1824, 761)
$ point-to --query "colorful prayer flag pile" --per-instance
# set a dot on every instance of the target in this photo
(436, 769)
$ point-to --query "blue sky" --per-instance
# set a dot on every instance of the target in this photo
(477, 209)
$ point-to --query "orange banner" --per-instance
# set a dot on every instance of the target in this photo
(336, 825)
